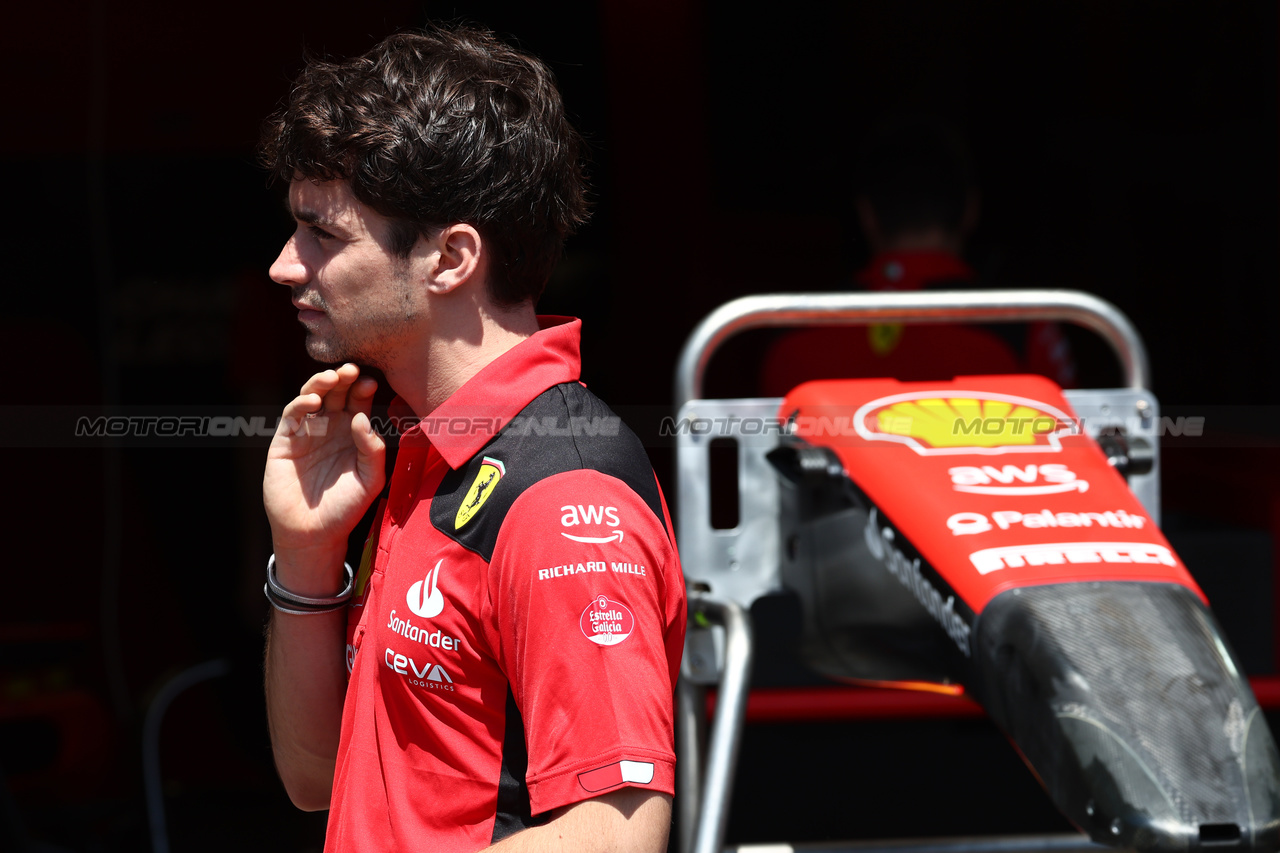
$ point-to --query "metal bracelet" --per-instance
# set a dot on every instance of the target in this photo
(277, 594)
(283, 607)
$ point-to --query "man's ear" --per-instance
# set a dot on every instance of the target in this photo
(457, 257)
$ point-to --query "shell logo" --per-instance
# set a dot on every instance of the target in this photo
(954, 422)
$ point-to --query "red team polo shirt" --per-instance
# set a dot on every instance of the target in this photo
(519, 618)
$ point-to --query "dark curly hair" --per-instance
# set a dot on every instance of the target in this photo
(443, 126)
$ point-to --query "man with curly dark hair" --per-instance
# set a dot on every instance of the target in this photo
(513, 634)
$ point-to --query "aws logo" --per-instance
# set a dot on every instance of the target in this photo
(954, 422)
(573, 515)
(1049, 479)
(491, 471)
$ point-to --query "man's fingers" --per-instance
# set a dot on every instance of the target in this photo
(321, 383)
(332, 386)
(336, 399)
(370, 450)
(360, 397)
(302, 406)
(366, 438)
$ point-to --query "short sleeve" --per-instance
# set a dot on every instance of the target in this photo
(587, 618)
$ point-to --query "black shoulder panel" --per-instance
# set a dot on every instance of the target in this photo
(565, 428)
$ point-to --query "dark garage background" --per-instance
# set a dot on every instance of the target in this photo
(1124, 148)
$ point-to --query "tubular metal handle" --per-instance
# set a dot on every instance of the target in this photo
(711, 794)
(939, 306)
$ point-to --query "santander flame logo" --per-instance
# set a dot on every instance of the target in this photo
(424, 597)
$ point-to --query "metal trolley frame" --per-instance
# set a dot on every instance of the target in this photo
(727, 570)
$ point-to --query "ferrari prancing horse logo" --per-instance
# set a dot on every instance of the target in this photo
(491, 471)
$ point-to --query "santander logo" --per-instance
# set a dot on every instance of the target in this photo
(424, 597)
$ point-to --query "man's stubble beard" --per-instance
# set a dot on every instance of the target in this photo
(372, 342)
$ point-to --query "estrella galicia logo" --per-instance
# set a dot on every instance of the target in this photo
(491, 471)
(606, 622)
(424, 597)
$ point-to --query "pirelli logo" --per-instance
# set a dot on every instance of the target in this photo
(1063, 553)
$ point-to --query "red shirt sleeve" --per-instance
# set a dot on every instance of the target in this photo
(587, 617)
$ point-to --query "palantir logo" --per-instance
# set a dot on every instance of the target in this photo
(424, 597)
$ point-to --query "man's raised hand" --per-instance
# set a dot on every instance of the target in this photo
(324, 468)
